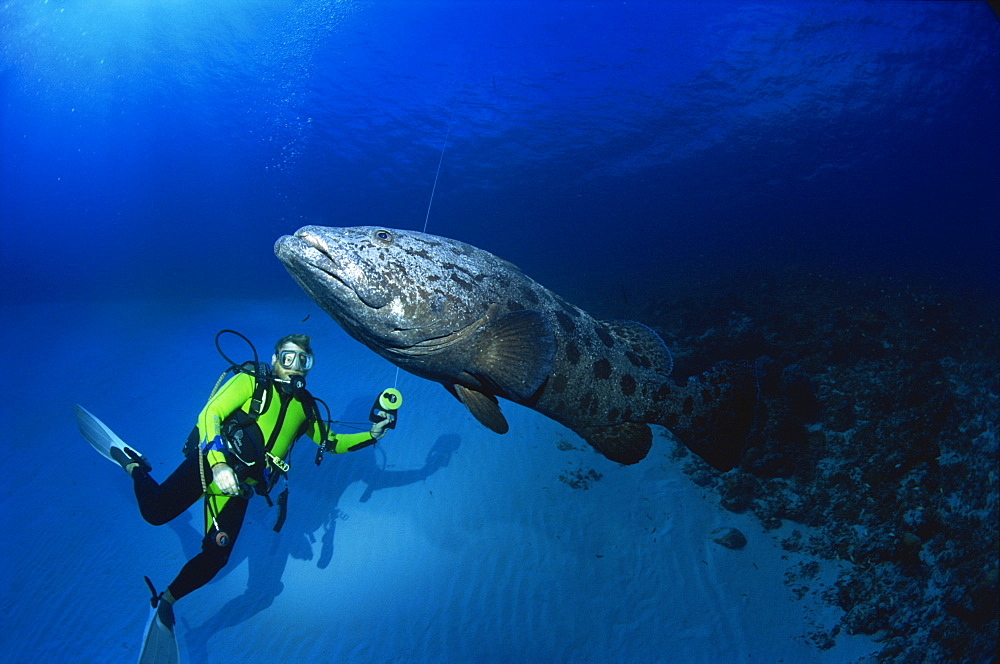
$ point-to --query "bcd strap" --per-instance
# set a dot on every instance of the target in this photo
(262, 381)
(324, 431)
(282, 510)
(285, 400)
(312, 409)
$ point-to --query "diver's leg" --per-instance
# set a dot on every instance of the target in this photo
(215, 547)
(159, 503)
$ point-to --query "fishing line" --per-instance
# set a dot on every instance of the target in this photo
(434, 188)
(427, 218)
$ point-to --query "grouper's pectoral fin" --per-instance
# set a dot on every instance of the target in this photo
(515, 353)
(510, 356)
(484, 407)
(626, 443)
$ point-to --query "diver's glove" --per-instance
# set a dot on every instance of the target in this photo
(380, 427)
(225, 479)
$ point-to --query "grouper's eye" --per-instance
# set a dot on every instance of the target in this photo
(384, 237)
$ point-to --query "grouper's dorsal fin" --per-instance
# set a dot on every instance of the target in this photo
(515, 352)
(645, 347)
(484, 407)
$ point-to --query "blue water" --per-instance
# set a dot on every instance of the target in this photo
(154, 151)
(149, 149)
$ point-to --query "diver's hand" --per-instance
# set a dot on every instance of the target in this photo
(380, 427)
(225, 479)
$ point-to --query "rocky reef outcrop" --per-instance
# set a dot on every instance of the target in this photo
(878, 428)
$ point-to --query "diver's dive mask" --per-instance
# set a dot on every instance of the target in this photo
(295, 360)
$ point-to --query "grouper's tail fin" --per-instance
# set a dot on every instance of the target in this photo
(714, 413)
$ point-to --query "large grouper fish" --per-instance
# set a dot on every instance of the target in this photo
(449, 312)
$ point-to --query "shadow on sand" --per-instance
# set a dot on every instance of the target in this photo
(306, 515)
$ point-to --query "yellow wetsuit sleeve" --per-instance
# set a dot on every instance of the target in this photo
(338, 443)
(232, 395)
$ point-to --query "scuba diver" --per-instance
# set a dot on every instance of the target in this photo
(238, 447)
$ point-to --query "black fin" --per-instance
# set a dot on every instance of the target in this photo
(515, 353)
(647, 348)
(714, 413)
(626, 443)
(155, 599)
(484, 407)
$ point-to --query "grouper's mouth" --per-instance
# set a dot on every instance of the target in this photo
(311, 261)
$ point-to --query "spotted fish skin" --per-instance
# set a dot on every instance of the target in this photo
(458, 315)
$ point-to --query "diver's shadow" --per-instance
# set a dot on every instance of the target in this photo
(376, 478)
(312, 506)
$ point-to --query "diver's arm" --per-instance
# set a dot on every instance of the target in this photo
(234, 393)
(338, 443)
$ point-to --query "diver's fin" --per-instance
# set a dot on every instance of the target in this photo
(103, 439)
(100, 437)
(626, 443)
(714, 413)
(159, 644)
(484, 407)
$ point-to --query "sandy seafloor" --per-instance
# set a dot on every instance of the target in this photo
(445, 543)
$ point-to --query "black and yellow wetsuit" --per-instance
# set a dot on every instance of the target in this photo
(284, 417)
